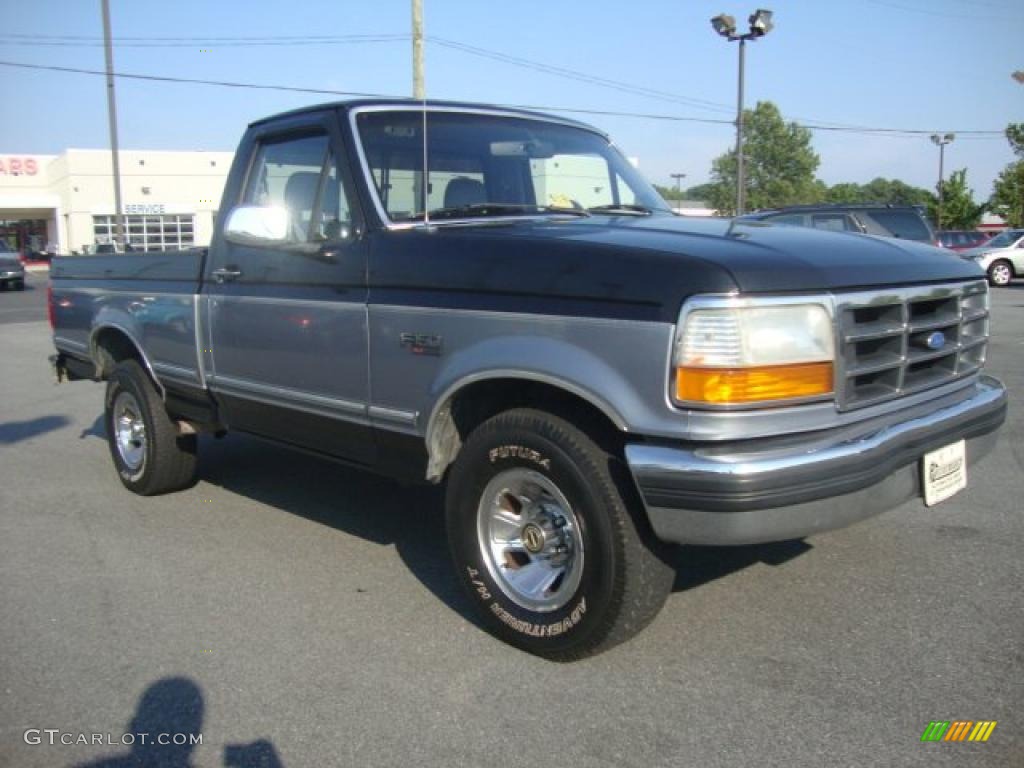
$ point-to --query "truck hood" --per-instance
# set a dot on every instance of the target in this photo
(761, 257)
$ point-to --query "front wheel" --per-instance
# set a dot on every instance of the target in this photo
(543, 540)
(1000, 273)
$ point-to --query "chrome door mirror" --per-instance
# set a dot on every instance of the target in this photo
(257, 225)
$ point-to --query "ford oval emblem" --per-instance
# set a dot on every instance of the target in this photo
(936, 340)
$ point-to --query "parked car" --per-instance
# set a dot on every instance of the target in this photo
(12, 271)
(903, 221)
(962, 239)
(1002, 257)
(590, 376)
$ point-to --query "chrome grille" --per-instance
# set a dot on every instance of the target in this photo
(898, 341)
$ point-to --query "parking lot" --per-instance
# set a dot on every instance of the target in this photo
(297, 613)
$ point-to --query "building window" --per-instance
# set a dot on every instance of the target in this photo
(168, 232)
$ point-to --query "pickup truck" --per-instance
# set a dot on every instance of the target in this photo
(496, 300)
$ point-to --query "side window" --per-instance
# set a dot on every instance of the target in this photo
(789, 219)
(834, 222)
(289, 173)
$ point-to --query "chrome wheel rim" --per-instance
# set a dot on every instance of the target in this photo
(1000, 274)
(129, 431)
(530, 540)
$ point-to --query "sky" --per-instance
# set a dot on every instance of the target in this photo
(929, 65)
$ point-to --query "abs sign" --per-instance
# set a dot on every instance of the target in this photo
(16, 166)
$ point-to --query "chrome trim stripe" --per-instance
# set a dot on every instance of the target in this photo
(533, 317)
(198, 335)
(322, 403)
(406, 418)
(330, 303)
(77, 345)
(176, 371)
(134, 291)
(497, 112)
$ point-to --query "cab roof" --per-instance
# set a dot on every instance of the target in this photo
(468, 106)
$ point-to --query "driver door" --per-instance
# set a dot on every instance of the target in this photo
(287, 321)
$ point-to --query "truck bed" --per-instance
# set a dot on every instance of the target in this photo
(150, 299)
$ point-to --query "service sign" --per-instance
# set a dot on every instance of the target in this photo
(14, 165)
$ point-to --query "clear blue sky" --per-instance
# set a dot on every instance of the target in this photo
(936, 65)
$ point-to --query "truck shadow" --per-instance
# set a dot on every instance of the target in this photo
(411, 518)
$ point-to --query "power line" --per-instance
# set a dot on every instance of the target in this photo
(142, 42)
(894, 132)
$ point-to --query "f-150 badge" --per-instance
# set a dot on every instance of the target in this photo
(421, 343)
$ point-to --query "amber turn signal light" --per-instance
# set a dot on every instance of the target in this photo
(736, 386)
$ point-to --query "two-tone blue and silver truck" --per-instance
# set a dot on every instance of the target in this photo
(496, 300)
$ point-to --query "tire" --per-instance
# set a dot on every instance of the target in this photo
(20, 285)
(150, 456)
(532, 501)
(1000, 272)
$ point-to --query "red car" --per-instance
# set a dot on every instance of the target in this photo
(962, 239)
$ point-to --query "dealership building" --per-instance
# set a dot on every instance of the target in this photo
(65, 203)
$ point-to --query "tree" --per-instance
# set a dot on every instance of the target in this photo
(670, 193)
(778, 160)
(958, 208)
(1008, 191)
(699, 192)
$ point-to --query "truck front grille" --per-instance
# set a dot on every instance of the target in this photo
(898, 341)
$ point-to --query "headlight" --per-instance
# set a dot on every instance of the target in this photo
(732, 351)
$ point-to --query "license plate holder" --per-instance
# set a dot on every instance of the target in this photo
(944, 472)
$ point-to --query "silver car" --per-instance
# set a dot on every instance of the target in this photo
(11, 270)
(1002, 257)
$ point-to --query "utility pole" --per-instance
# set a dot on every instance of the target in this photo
(417, 50)
(941, 142)
(112, 117)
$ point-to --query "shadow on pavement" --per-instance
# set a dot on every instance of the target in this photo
(171, 711)
(15, 431)
(411, 518)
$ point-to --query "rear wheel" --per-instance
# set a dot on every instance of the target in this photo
(149, 454)
(544, 542)
(1000, 272)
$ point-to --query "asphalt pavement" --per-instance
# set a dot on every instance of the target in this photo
(300, 614)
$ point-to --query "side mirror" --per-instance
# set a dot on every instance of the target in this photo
(257, 225)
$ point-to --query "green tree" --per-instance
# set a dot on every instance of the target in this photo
(670, 193)
(779, 164)
(1008, 191)
(699, 192)
(959, 210)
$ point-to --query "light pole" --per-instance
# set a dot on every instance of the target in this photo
(941, 141)
(679, 191)
(760, 25)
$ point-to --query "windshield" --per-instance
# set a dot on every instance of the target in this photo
(1005, 239)
(4, 248)
(491, 165)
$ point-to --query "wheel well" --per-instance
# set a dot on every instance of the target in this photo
(113, 346)
(475, 403)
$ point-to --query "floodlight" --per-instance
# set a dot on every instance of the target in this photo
(761, 22)
(724, 25)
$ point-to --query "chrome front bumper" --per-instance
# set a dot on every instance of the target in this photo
(789, 487)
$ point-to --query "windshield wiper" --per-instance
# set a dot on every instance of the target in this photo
(629, 209)
(497, 209)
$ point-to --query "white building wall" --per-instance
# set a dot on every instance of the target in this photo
(68, 190)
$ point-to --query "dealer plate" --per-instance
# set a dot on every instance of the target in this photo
(944, 473)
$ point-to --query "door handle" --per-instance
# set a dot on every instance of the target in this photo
(226, 274)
